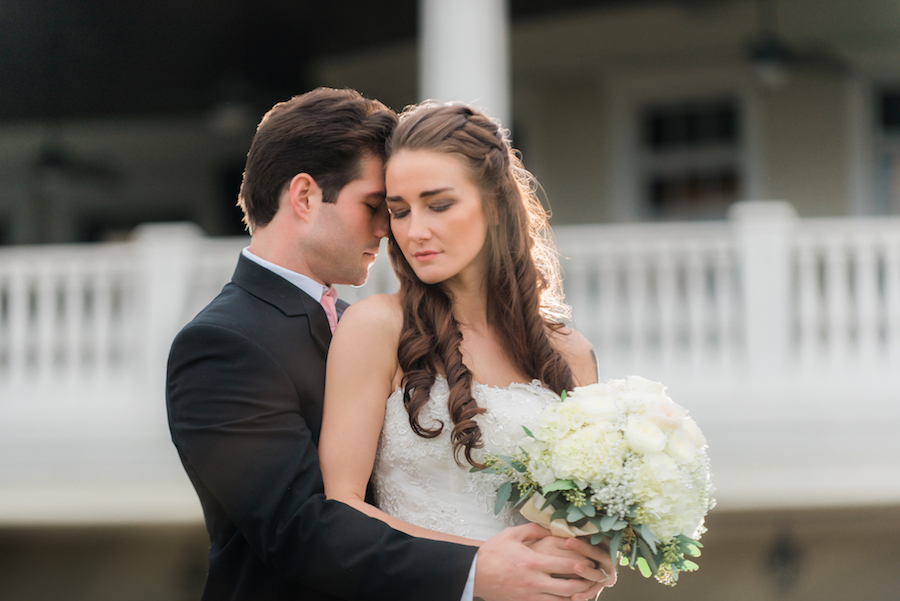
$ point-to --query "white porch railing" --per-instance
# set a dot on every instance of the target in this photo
(781, 335)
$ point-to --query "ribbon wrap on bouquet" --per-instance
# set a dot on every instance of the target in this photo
(558, 527)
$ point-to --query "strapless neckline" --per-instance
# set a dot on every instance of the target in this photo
(417, 479)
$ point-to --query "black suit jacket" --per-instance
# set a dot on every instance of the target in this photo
(244, 393)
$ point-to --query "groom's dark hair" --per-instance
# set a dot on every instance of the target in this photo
(325, 133)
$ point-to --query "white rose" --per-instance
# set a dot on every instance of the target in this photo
(643, 436)
(693, 433)
(680, 448)
(664, 413)
(646, 387)
(599, 409)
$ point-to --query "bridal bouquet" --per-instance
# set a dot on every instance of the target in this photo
(617, 460)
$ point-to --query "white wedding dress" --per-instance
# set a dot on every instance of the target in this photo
(417, 480)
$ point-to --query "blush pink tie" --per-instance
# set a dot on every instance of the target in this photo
(328, 303)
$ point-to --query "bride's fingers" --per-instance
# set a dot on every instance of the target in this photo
(573, 588)
(589, 595)
(599, 555)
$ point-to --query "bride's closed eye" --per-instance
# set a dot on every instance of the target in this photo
(398, 212)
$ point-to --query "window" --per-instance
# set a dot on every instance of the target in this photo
(887, 152)
(689, 155)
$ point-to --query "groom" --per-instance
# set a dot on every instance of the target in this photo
(246, 381)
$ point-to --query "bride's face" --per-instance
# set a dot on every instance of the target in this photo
(436, 216)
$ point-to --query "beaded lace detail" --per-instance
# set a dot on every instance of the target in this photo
(417, 480)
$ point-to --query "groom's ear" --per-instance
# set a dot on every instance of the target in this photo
(303, 195)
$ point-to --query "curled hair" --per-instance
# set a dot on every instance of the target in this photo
(325, 133)
(524, 289)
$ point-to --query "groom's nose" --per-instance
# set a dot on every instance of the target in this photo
(381, 222)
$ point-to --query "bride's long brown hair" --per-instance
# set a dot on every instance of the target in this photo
(524, 290)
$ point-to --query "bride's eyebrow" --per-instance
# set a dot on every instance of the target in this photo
(425, 194)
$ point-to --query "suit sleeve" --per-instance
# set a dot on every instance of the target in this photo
(234, 418)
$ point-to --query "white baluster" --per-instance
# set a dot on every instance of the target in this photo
(892, 302)
(45, 324)
(608, 300)
(18, 328)
(666, 298)
(808, 307)
(695, 295)
(725, 309)
(867, 316)
(636, 290)
(837, 304)
(73, 324)
(578, 295)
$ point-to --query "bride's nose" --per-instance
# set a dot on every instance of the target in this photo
(418, 226)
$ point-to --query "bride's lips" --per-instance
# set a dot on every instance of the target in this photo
(424, 255)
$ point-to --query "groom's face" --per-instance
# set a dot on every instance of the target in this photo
(346, 233)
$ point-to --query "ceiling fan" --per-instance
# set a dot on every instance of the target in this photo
(774, 60)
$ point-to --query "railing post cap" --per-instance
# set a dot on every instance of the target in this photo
(168, 231)
(762, 210)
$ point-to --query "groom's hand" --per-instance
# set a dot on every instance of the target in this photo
(510, 568)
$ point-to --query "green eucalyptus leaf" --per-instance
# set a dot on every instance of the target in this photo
(646, 572)
(608, 521)
(614, 542)
(596, 539)
(574, 514)
(649, 557)
(503, 494)
(560, 514)
(560, 485)
(689, 566)
(648, 536)
(528, 432)
(588, 510)
(523, 499)
(550, 500)
(634, 551)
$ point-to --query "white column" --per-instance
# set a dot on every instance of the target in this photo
(764, 231)
(464, 54)
(166, 255)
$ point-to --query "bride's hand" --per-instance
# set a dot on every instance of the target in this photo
(603, 574)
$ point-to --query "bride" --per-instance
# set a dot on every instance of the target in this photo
(423, 383)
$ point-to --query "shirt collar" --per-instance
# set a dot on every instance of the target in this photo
(305, 283)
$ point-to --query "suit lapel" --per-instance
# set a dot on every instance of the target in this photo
(290, 300)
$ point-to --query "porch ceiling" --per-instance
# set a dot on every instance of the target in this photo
(60, 59)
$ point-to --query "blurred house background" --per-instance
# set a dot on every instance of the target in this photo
(724, 177)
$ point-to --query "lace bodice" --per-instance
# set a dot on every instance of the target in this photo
(417, 480)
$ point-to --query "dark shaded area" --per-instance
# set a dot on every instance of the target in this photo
(62, 59)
